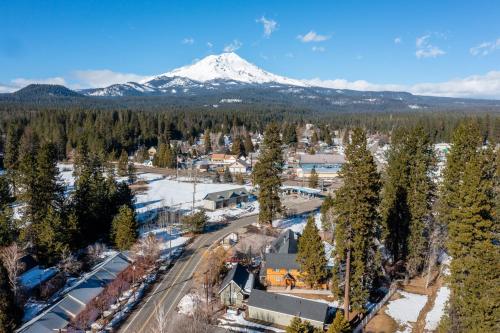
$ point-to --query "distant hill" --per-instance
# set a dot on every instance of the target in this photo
(40, 91)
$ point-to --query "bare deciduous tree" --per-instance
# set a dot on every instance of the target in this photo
(161, 323)
(200, 322)
(11, 257)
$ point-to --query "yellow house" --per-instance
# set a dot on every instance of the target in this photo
(280, 266)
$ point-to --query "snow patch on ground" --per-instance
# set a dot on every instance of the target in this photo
(297, 223)
(188, 304)
(406, 309)
(164, 191)
(437, 311)
(232, 318)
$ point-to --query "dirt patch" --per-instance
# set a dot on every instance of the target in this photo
(328, 298)
(381, 323)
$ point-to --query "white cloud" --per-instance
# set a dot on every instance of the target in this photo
(425, 49)
(485, 48)
(233, 46)
(188, 41)
(105, 77)
(7, 88)
(18, 83)
(398, 40)
(210, 45)
(22, 82)
(318, 49)
(269, 26)
(312, 36)
(474, 86)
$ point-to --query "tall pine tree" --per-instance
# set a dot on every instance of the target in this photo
(357, 223)
(267, 174)
(474, 304)
(407, 197)
(311, 255)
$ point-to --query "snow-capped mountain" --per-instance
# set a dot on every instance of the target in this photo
(226, 79)
(229, 67)
(214, 72)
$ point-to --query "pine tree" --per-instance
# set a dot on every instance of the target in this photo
(54, 236)
(340, 324)
(124, 230)
(131, 173)
(326, 206)
(311, 255)
(207, 141)
(238, 147)
(267, 173)
(357, 223)
(407, 197)
(249, 148)
(221, 142)
(474, 304)
(123, 164)
(228, 177)
(466, 139)
(298, 326)
(9, 313)
(314, 138)
(313, 178)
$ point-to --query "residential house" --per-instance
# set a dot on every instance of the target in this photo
(236, 286)
(222, 159)
(228, 198)
(239, 166)
(280, 309)
(327, 166)
(280, 267)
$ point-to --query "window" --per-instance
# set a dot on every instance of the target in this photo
(277, 270)
(278, 279)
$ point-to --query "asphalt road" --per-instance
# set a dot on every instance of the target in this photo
(177, 281)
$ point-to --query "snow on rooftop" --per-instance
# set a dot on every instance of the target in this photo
(36, 275)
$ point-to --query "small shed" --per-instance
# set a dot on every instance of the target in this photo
(236, 286)
(280, 309)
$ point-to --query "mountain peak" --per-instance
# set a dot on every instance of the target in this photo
(228, 66)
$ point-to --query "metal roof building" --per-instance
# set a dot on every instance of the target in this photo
(58, 316)
(280, 309)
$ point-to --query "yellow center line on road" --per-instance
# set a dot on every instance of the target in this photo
(146, 322)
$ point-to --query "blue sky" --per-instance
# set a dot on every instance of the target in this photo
(433, 47)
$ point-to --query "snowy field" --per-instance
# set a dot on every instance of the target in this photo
(406, 309)
(297, 223)
(164, 191)
(437, 311)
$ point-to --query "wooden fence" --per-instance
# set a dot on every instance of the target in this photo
(376, 308)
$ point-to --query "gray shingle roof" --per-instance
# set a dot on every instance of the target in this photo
(293, 306)
(223, 195)
(322, 159)
(287, 242)
(238, 274)
(281, 260)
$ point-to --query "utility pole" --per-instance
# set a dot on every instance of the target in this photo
(177, 167)
(194, 187)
